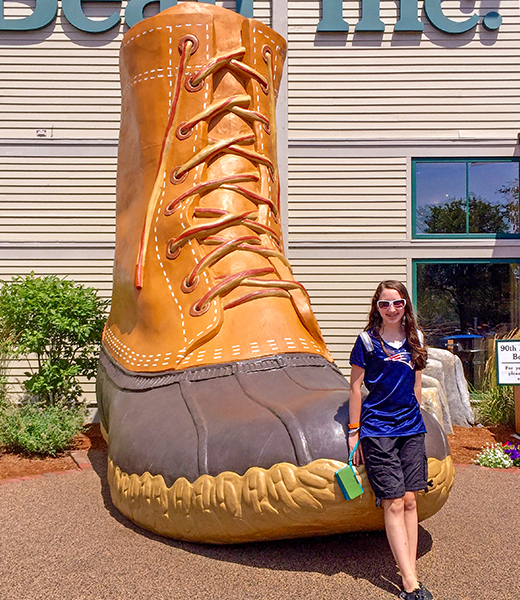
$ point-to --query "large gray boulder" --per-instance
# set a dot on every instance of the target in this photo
(446, 367)
(431, 404)
(437, 405)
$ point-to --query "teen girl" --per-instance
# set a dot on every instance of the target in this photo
(389, 356)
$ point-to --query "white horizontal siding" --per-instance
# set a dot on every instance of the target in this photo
(96, 274)
(401, 85)
(341, 291)
(57, 198)
(60, 79)
(66, 81)
(346, 199)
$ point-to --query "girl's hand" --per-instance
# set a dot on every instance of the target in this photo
(358, 457)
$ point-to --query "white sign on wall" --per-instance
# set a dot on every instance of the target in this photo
(508, 362)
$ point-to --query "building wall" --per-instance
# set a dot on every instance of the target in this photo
(361, 105)
(354, 110)
(396, 85)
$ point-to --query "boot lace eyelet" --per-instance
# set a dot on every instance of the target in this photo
(190, 87)
(187, 288)
(172, 255)
(183, 134)
(265, 51)
(177, 179)
(197, 311)
(171, 208)
(189, 38)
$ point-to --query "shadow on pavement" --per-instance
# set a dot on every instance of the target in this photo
(360, 555)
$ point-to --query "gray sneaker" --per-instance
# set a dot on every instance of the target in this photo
(421, 593)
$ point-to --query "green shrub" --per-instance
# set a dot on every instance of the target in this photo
(59, 321)
(495, 404)
(40, 429)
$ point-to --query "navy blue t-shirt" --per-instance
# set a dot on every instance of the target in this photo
(391, 408)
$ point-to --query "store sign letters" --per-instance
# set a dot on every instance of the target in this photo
(45, 12)
(332, 17)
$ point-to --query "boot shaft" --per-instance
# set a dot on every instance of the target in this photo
(199, 273)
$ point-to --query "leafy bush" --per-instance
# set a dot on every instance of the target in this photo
(4, 402)
(493, 455)
(495, 404)
(59, 321)
(40, 429)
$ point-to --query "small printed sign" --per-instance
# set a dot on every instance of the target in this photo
(508, 362)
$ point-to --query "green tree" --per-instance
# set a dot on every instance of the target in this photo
(60, 322)
(468, 290)
(510, 193)
(485, 217)
(450, 217)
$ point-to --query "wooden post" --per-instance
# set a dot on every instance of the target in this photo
(517, 408)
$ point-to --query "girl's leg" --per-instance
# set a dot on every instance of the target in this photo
(397, 534)
(411, 522)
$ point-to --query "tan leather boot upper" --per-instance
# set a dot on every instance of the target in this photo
(199, 274)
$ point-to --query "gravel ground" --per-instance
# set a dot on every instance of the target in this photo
(60, 538)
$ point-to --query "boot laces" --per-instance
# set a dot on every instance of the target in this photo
(218, 220)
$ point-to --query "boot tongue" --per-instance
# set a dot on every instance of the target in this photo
(226, 85)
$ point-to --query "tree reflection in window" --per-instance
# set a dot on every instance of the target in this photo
(466, 197)
(465, 304)
(467, 297)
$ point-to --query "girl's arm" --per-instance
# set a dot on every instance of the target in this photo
(357, 374)
(417, 388)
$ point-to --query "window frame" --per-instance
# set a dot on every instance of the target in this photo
(454, 236)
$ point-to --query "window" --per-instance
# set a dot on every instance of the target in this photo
(462, 305)
(465, 197)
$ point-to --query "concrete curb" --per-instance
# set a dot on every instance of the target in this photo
(474, 466)
(80, 457)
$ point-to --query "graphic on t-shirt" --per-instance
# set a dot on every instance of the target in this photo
(402, 357)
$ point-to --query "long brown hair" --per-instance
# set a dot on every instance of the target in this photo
(409, 322)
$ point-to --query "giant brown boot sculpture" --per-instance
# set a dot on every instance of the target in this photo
(224, 413)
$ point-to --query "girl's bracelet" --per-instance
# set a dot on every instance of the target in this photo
(355, 430)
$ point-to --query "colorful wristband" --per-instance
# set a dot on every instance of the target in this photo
(354, 425)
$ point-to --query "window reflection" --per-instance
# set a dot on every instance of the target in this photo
(493, 197)
(466, 197)
(464, 305)
(441, 197)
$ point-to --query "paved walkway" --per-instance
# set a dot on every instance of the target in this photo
(60, 539)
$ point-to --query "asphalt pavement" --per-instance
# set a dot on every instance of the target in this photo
(61, 539)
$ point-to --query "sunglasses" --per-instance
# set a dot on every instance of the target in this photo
(385, 304)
